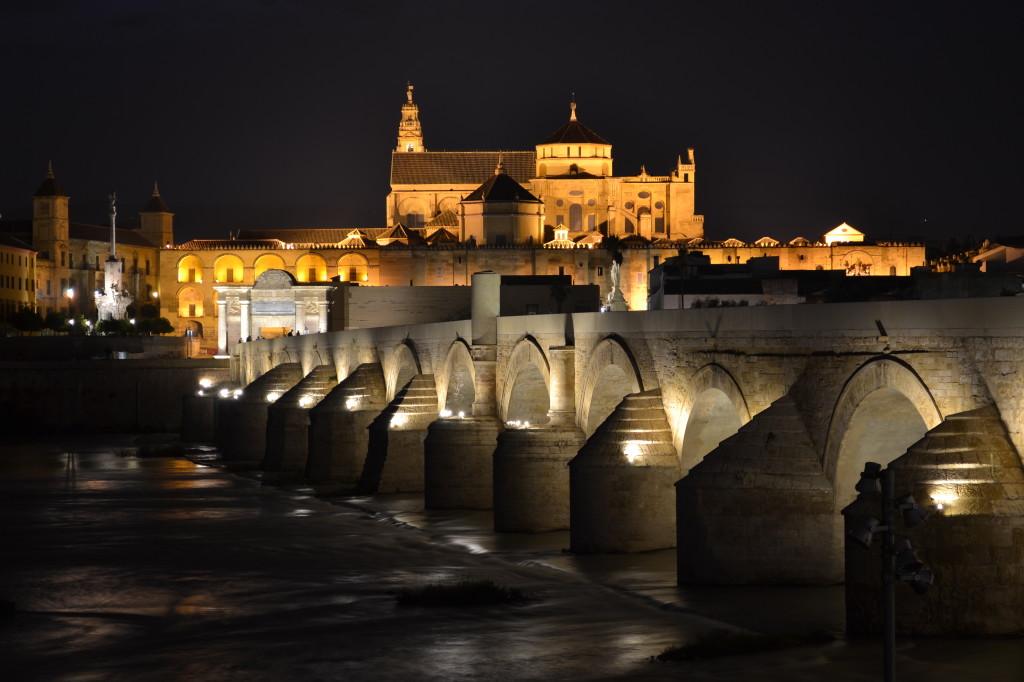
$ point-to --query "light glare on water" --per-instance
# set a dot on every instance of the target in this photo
(162, 569)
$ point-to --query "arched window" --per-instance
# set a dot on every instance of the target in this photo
(575, 217)
(190, 302)
(190, 269)
(311, 268)
(270, 261)
(352, 268)
(228, 268)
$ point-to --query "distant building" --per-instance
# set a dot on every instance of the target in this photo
(539, 212)
(17, 277)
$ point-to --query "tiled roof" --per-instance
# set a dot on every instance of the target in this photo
(156, 205)
(501, 187)
(14, 242)
(312, 236)
(229, 244)
(574, 132)
(444, 219)
(458, 168)
(442, 236)
(50, 188)
(100, 233)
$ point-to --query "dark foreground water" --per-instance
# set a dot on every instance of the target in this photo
(127, 568)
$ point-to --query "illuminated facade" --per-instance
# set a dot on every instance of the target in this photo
(71, 261)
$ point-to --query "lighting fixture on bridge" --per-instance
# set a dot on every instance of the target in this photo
(398, 419)
(224, 393)
(351, 403)
(943, 500)
(305, 401)
(200, 392)
(444, 414)
(206, 383)
(462, 415)
(631, 449)
(899, 560)
(273, 396)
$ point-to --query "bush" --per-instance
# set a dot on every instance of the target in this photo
(56, 321)
(114, 327)
(148, 311)
(461, 593)
(27, 320)
(157, 325)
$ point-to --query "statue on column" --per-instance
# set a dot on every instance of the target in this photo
(615, 300)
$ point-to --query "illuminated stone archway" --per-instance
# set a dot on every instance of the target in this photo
(400, 368)
(611, 375)
(713, 410)
(883, 409)
(525, 395)
(456, 383)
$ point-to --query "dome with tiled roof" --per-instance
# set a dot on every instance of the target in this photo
(574, 132)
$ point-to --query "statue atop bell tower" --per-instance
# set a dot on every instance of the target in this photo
(410, 133)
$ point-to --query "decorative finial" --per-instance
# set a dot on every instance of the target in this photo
(156, 190)
(572, 108)
(408, 93)
(49, 169)
(500, 168)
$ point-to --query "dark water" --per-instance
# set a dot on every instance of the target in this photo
(129, 568)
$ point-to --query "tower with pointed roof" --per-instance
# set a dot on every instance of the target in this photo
(50, 220)
(410, 132)
(157, 221)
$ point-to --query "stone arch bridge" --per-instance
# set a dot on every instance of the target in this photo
(736, 435)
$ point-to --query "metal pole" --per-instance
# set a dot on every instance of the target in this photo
(889, 574)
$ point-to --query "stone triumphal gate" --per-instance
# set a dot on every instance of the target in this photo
(736, 434)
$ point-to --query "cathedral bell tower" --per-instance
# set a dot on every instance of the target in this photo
(157, 221)
(50, 221)
(410, 133)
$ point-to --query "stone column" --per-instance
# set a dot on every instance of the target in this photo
(563, 386)
(222, 327)
(246, 320)
(484, 389)
(322, 320)
(486, 306)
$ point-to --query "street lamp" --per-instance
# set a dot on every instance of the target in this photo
(899, 560)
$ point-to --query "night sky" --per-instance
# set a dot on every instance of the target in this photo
(901, 118)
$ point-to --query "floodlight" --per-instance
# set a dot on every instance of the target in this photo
(919, 581)
(863, 533)
(913, 515)
(907, 561)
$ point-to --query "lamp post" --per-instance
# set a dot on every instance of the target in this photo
(69, 293)
(898, 558)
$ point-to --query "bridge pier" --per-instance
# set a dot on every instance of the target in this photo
(394, 457)
(531, 478)
(458, 468)
(759, 509)
(621, 484)
(338, 435)
(974, 545)
(288, 421)
(243, 432)
(198, 418)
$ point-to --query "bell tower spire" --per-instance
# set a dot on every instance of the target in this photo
(410, 133)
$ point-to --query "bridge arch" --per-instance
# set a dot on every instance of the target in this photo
(456, 383)
(713, 410)
(612, 373)
(883, 409)
(401, 365)
(526, 391)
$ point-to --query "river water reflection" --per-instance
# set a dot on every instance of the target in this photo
(163, 569)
